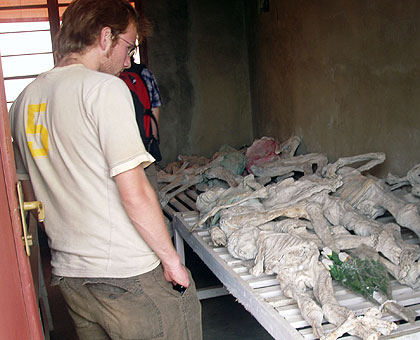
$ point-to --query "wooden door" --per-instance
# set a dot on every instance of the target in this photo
(19, 313)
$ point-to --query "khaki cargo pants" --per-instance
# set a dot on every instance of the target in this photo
(138, 308)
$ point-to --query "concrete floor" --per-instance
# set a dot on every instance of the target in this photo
(223, 317)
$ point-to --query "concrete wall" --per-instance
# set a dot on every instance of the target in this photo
(342, 74)
(199, 55)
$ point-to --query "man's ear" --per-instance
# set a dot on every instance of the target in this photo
(105, 39)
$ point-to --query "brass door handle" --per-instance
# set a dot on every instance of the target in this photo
(25, 206)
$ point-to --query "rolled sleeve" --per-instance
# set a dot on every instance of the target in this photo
(119, 137)
(144, 160)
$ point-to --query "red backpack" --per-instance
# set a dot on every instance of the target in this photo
(144, 116)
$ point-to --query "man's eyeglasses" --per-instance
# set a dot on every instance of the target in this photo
(133, 48)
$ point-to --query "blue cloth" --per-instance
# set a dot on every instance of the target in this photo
(152, 87)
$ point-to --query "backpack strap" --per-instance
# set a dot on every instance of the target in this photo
(140, 96)
(156, 123)
(139, 68)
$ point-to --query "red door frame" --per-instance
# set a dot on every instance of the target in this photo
(19, 312)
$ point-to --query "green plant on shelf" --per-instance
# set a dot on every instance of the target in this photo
(366, 275)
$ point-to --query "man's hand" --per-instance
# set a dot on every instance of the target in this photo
(176, 275)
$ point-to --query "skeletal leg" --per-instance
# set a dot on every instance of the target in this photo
(369, 196)
(406, 215)
(412, 178)
(309, 309)
(324, 293)
(339, 212)
(342, 316)
(281, 166)
(373, 158)
(321, 225)
(410, 278)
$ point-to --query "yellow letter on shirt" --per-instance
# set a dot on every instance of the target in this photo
(32, 129)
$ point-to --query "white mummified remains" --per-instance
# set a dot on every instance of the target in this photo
(307, 204)
(287, 166)
(194, 171)
(295, 263)
(412, 180)
(336, 223)
(185, 178)
(194, 174)
(369, 195)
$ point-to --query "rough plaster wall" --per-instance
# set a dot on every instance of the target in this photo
(344, 75)
(199, 56)
(169, 54)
